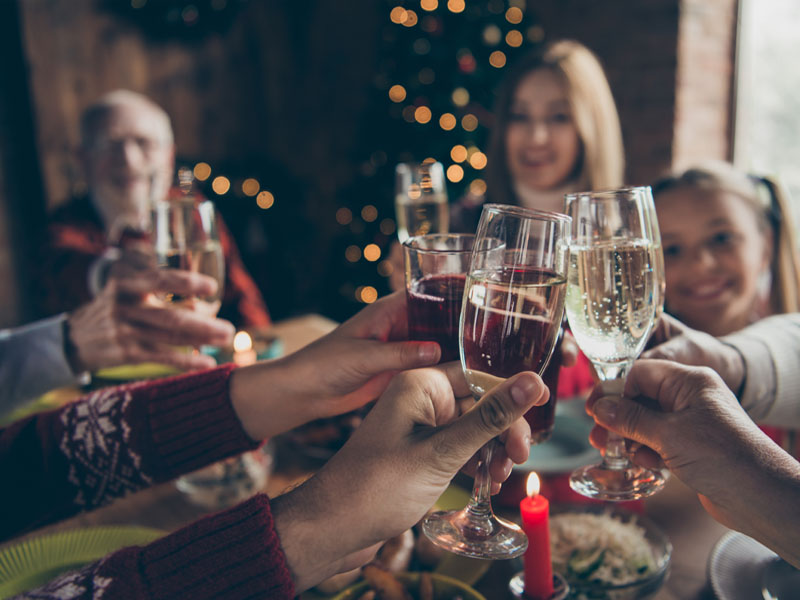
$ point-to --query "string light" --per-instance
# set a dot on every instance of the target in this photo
(455, 6)
(514, 38)
(478, 160)
(514, 15)
(372, 252)
(397, 93)
(455, 173)
(250, 186)
(429, 5)
(458, 153)
(352, 253)
(422, 114)
(221, 185)
(447, 121)
(369, 213)
(265, 199)
(411, 18)
(398, 15)
(497, 59)
(366, 294)
(460, 97)
(344, 216)
(469, 122)
(202, 171)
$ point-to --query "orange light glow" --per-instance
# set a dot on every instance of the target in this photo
(533, 485)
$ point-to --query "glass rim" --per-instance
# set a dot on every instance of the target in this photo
(607, 193)
(408, 243)
(530, 213)
(181, 201)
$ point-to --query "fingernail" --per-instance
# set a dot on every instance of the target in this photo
(522, 390)
(605, 409)
(429, 352)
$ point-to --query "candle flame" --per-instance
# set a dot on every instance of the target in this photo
(533, 484)
(242, 341)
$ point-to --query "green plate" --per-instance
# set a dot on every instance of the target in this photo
(136, 372)
(36, 561)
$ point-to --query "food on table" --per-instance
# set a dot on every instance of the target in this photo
(599, 548)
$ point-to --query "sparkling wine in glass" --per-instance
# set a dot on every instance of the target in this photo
(614, 291)
(184, 236)
(510, 322)
(420, 199)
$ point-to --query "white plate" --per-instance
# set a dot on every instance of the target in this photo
(568, 448)
(735, 567)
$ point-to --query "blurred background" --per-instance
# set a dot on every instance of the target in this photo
(293, 114)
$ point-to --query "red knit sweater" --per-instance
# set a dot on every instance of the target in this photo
(119, 440)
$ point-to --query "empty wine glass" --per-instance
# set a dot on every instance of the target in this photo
(614, 292)
(510, 320)
(420, 199)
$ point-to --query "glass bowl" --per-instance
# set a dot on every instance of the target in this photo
(644, 587)
(444, 588)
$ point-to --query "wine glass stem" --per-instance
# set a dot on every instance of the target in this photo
(480, 505)
(613, 384)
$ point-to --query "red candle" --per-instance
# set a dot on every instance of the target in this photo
(535, 510)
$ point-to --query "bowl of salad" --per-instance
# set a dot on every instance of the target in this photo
(608, 553)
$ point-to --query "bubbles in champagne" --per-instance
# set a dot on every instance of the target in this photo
(612, 296)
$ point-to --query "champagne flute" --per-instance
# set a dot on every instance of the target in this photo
(510, 320)
(184, 236)
(614, 290)
(420, 199)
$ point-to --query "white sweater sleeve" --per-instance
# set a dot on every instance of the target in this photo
(32, 361)
(771, 351)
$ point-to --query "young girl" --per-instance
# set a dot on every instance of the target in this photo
(730, 252)
(729, 248)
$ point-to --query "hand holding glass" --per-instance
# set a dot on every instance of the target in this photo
(614, 291)
(510, 321)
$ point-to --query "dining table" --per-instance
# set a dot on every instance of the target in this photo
(676, 509)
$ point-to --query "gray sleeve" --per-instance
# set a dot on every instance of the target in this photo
(771, 351)
(32, 361)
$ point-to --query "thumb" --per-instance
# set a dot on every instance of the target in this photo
(629, 419)
(399, 356)
(491, 416)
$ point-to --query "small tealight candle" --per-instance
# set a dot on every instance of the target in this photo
(243, 352)
(535, 511)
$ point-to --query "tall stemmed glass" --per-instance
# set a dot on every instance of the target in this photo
(510, 320)
(614, 292)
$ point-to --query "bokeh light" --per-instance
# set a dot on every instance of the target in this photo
(492, 35)
(447, 121)
(202, 171)
(514, 38)
(385, 268)
(477, 187)
(250, 186)
(398, 15)
(366, 294)
(458, 153)
(426, 76)
(422, 114)
(372, 252)
(460, 96)
(221, 185)
(478, 160)
(265, 199)
(387, 227)
(369, 213)
(456, 6)
(408, 114)
(411, 18)
(429, 5)
(353, 253)
(497, 59)
(469, 122)
(514, 15)
(397, 93)
(455, 173)
(344, 215)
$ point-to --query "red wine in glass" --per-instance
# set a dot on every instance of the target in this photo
(434, 308)
(512, 321)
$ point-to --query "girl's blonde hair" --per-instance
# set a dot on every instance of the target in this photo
(602, 161)
(769, 201)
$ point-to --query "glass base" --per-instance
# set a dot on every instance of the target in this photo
(517, 587)
(477, 536)
(616, 484)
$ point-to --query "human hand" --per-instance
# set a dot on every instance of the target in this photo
(672, 340)
(698, 429)
(394, 467)
(340, 372)
(120, 326)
